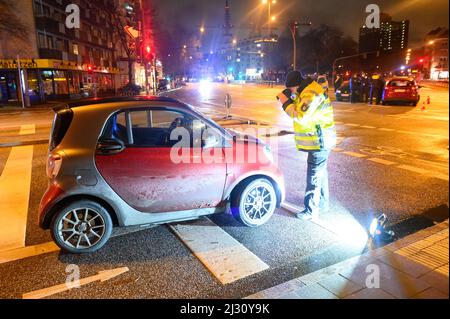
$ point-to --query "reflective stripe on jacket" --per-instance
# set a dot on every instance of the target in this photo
(313, 117)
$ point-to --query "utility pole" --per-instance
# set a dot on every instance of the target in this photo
(293, 26)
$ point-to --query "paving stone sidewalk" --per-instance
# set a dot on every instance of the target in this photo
(415, 267)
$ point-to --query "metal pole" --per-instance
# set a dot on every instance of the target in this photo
(270, 17)
(21, 84)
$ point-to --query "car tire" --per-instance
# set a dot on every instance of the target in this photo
(81, 227)
(254, 202)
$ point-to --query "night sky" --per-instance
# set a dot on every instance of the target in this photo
(349, 15)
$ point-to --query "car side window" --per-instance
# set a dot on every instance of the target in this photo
(161, 128)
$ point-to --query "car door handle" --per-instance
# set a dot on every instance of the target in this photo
(110, 147)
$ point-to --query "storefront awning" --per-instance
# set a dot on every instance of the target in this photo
(53, 64)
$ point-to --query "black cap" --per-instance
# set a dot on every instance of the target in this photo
(294, 78)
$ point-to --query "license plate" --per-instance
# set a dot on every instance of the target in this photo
(345, 95)
(400, 91)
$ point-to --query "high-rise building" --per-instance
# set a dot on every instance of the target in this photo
(392, 36)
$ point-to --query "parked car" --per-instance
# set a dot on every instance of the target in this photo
(115, 162)
(401, 90)
(163, 85)
(343, 93)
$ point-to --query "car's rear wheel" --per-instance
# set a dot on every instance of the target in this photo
(254, 203)
(81, 227)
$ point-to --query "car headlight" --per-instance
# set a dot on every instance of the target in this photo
(338, 91)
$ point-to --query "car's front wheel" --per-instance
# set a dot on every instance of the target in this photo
(81, 227)
(254, 202)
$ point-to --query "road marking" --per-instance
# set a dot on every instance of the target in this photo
(381, 161)
(386, 129)
(368, 126)
(27, 129)
(15, 183)
(102, 276)
(353, 154)
(337, 149)
(439, 176)
(414, 169)
(351, 124)
(226, 258)
(25, 252)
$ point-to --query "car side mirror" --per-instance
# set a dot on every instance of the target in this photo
(110, 147)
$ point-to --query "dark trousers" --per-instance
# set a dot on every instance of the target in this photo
(375, 94)
(317, 193)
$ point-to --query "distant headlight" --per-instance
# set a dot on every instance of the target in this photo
(338, 91)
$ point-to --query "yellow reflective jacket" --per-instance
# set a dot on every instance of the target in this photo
(313, 117)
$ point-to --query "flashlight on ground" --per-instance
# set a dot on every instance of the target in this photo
(378, 228)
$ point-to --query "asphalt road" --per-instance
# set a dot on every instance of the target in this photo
(391, 159)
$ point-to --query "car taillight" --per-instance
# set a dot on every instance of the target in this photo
(54, 163)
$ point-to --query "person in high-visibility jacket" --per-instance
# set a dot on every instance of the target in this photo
(307, 103)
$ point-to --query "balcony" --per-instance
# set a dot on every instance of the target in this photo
(46, 23)
(50, 54)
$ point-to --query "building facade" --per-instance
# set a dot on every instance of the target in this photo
(436, 55)
(391, 37)
(61, 62)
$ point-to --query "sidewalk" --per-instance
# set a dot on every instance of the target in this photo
(415, 267)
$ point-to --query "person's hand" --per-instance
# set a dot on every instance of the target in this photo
(282, 98)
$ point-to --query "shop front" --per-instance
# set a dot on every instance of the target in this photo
(45, 80)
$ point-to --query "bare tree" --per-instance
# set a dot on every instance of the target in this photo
(10, 23)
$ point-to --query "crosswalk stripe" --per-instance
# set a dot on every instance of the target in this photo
(413, 169)
(353, 154)
(26, 252)
(15, 183)
(226, 258)
(27, 129)
(381, 161)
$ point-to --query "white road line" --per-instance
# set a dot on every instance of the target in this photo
(381, 161)
(102, 276)
(226, 258)
(414, 169)
(386, 129)
(353, 154)
(27, 129)
(351, 124)
(25, 252)
(15, 183)
(368, 126)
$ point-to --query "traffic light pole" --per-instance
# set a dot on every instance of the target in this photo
(293, 26)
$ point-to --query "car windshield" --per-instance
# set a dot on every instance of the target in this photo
(209, 121)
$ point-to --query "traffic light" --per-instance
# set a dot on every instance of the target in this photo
(148, 54)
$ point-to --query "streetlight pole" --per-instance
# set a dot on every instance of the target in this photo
(293, 26)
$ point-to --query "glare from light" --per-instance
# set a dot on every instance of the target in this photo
(205, 87)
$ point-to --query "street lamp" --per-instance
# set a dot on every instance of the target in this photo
(202, 29)
(271, 18)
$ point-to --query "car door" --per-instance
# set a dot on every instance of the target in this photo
(148, 173)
